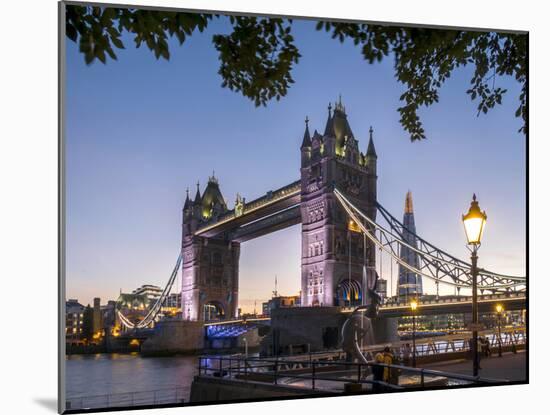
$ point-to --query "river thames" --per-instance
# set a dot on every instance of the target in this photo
(112, 374)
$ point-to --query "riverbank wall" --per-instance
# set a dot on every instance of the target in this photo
(211, 389)
(315, 329)
(175, 337)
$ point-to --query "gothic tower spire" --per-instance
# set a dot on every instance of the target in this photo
(329, 130)
(198, 194)
(306, 142)
(371, 151)
(187, 200)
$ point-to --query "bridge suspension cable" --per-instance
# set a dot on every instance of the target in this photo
(156, 307)
(400, 229)
(434, 263)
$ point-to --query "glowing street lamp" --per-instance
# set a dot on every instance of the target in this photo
(474, 223)
(499, 309)
(414, 306)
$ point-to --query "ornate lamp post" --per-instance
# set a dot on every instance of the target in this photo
(474, 223)
(499, 309)
(414, 305)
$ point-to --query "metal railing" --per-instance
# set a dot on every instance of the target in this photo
(425, 347)
(311, 372)
(460, 342)
(393, 303)
(126, 399)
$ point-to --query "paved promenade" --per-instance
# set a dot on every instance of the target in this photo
(510, 366)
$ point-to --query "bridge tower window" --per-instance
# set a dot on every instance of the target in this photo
(213, 311)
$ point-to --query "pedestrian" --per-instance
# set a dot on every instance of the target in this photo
(377, 371)
(407, 352)
(483, 346)
(388, 360)
(479, 351)
(487, 347)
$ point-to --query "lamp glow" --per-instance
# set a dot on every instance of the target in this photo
(353, 227)
(474, 223)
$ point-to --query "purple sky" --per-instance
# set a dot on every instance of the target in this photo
(140, 131)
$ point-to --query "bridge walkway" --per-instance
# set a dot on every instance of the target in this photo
(510, 366)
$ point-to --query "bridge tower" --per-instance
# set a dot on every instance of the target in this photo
(210, 268)
(332, 255)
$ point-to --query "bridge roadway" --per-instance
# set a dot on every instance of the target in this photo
(277, 209)
(486, 303)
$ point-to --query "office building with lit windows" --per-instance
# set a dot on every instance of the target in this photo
(74, 316)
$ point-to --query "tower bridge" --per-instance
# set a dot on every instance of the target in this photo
(332, 258)
(342, 226)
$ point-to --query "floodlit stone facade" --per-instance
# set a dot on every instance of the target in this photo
(329, 242)
(328, 245)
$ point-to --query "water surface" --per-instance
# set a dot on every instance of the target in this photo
(107, 374)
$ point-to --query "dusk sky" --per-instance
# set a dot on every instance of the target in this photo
(140, 131)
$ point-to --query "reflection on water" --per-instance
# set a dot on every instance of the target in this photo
(105, 374)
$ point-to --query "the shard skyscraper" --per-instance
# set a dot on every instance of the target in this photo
(409, 284)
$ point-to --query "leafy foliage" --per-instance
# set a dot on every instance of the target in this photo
(426, 58)
(257, 57)
(98, 29)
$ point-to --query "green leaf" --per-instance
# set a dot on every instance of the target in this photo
(117, 42)
(71, 32)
